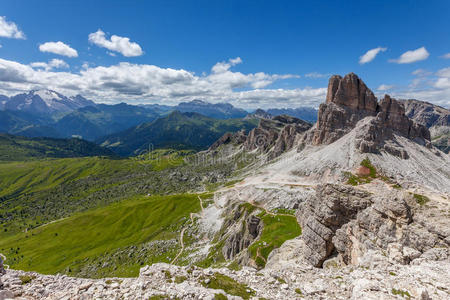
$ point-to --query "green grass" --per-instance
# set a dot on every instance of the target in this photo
(19, 148)
(228, 285)
(26, 279)
(72, 242)
(27, 177)
(220, 297)
(366, 163)
(277, 229)
(36, 192)
(421, 199)
(354, 180)
(401, 293)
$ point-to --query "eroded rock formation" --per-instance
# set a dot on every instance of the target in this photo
(349, 222)
(273, 136)
(349, 101)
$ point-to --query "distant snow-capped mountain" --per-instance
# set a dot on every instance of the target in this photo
(44, 101)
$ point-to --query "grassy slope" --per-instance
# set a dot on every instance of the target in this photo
(277, 229)
(27, 177)
(36, 192)
(18, 148)
(66, 243)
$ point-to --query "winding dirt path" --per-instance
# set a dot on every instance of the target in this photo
(191, 216)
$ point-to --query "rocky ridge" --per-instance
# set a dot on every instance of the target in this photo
(434, 117)
(272, 136)
(349, 100)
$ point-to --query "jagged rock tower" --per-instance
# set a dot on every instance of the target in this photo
(348, 101)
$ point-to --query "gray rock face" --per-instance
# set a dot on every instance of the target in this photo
(242, 229)
(350, 223)
(229, 138)
(349, 101)
(426, 113)
(273, 136)
(323, 214)
(434, 117)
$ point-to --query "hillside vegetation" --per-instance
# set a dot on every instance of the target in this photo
(18, 148)
(72, 243)
(177, 131)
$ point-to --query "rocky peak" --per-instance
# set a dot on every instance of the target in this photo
(349, 100)
(351, 92)
(259, 114)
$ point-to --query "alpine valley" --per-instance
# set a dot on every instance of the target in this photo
(208, 201)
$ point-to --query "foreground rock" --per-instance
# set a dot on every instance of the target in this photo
(285, 277)
(350, 222)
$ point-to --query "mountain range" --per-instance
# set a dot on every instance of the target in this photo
(177, 130)
(44, 102)
(46, 113)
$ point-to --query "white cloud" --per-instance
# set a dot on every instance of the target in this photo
(10, 29)
(446, 56)
(427, 86)
(52, 64)
(412, 56)
(443, 81)
(385, 87)
(116, 43)
(370, 55)
(316, 75)
(140, 83)
(421, 72)
(221, 75)
(58, 48)
(222, 67)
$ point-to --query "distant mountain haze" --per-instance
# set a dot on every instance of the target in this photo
(177, 131)
(47, 113)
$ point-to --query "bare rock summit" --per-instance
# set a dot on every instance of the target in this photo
(349, 101)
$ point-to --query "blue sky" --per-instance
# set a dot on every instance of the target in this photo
(250, 53)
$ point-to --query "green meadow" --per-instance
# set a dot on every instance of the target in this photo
(65, 244)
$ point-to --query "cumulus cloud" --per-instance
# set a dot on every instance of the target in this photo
(140, 83)
(370, 55)
(221, 75)
(412, 56)
(385, 87)
(446, 56)
(10, 29)
(58, 48)
(222, 67)
(52, 64)
(316, 75)
(116, 43)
